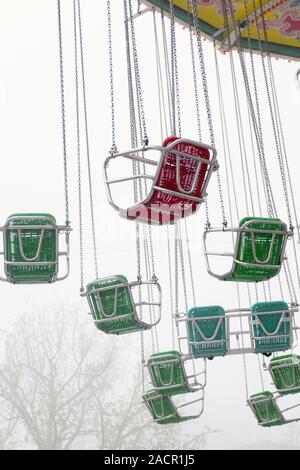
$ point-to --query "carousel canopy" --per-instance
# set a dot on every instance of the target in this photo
(281, 18)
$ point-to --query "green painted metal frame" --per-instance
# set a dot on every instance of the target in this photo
(168, 374)
(31, 249)
(285, 372)
(266, 410)
(272, 326)
(252, 235)
(114, 309)
(162, 408)
(172, 373)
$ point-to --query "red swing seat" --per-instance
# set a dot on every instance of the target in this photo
(179, 186)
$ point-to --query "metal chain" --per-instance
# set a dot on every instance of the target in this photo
(269, 192)
(160, 84)
(175, 74)
(133, 130)
(277, 110)
(176, 271)
(111, 78)
(181, 254)
(271, 206)
(149, 289)
(78, 152)
(142, 126)
(190, 262)
(277, 142)
(87, 141)
(243, 343)
(171, 285)
(236, 28)
(172, 78)
(167, 68)
(196, 91)
(226, 146)
(63, 112)
(136, 167)
(203, 73)
(240, 129)
(137, 74)
(207, 102)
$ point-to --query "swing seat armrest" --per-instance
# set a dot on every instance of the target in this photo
(130, 178)
(64, 254)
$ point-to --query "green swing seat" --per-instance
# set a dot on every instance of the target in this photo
(112, 306)
(266, 410)
(259, 250)
(162, 408)
(168, 374)
(207, 336)
(31, 248)
(285, 372)
(271, 332)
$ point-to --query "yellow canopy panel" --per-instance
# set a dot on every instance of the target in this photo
(281, 17)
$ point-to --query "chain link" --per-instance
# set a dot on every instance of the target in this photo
(277, 143)
(137, 75)
(167, 67)
(190, 262)
(87, 142)
(171, 284)
(258, 112)
(183, 275)
(111, 78)
(175, 75)
(78, 152)
(207, 101)
(134, 143)
(270, 199)
(63, 112)
(196, 91)
(133, 131)
(176, 271)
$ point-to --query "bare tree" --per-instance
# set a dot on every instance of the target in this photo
(128, 425)
(65, 385)
(51, 362)
(8, 423)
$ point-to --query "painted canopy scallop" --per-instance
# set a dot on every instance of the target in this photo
(281, 18)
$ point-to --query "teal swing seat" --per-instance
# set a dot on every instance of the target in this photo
(31, 249)
(207, 332)
(162, 408)
(266, 410)
(285, 372)
(271, 324)
(167, 373)
(113, 307)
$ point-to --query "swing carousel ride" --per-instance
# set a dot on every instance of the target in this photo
(158, 185)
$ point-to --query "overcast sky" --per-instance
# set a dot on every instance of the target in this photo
(31, 178)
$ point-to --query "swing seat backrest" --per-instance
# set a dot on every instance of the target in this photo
(285, 372)
(31, 248)
(177, 190)
(259, 251)
(207, 332)
(112, 306)
(168, 374)
(271, 332)
(266, 410)
(162, 408)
